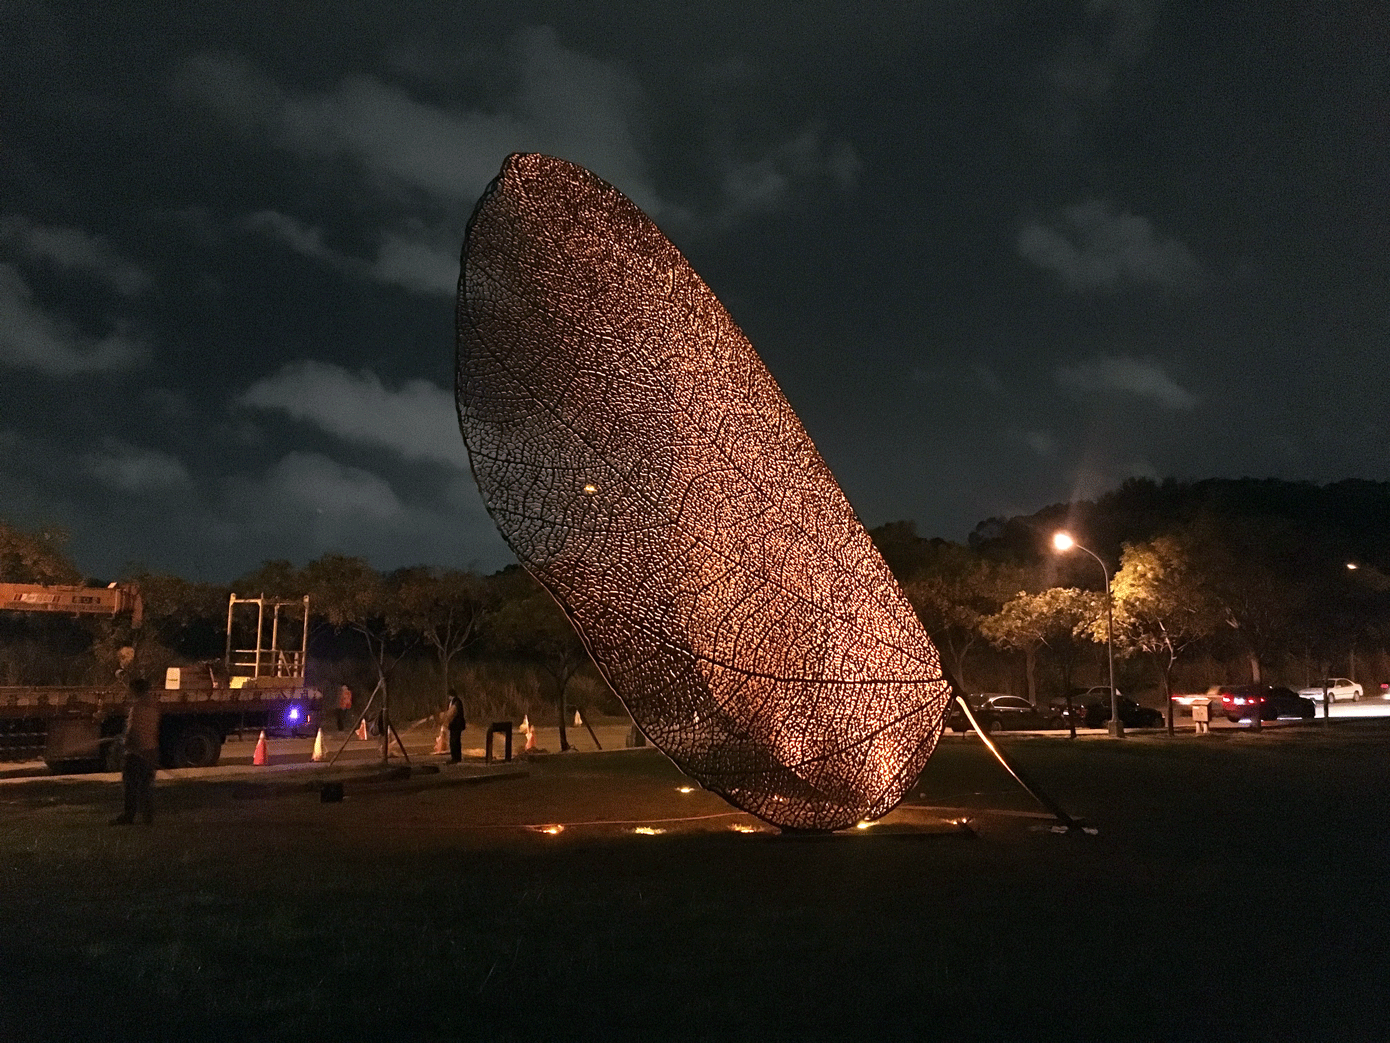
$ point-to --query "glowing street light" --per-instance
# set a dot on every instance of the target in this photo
(1063, 542)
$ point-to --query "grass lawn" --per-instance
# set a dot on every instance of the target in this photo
(1236, 890)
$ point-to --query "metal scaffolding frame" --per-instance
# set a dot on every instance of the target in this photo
(267, 660)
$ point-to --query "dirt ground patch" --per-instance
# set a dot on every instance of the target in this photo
(1233, 891)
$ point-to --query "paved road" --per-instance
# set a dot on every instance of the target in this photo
(1376, 707)
(419, 743)
(287, 753)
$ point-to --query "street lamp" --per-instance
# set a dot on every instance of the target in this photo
(1063, 542)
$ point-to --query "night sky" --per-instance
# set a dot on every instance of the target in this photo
(997, 254)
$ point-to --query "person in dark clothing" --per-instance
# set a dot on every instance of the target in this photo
(141, 754)
(455, 722)
(344, 706)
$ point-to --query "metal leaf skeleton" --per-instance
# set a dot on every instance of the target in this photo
(642, 463)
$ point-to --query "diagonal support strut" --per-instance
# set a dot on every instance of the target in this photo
(1032, 788)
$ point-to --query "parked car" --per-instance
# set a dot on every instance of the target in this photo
(1085, 706)
(1242, 701)
(1097, 693)
(1133, 715)
(1338, 688)
(998, 712)
(1081, 707)
(1092, 709)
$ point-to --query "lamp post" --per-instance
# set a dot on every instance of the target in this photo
(1063, 542)
(1352, 566)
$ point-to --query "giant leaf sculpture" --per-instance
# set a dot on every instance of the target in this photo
(644, 466)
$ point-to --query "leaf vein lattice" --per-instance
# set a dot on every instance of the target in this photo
(645, 467)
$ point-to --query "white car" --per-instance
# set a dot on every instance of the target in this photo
(1338, 688)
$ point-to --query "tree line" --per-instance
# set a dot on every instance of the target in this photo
(1263, 580)
(365, 625)
(1256, 579)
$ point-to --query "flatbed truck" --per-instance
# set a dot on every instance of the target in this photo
(80, 727)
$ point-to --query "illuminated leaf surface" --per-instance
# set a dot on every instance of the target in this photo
(645, 467)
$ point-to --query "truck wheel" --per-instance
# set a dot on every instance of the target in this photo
(196, 746)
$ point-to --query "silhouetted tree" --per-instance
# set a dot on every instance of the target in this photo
(184, 622)
(954, 590)
(1050, 617)
(46, 648)
(446, 609)
(1249, 567)
(528, 622)
(276, 578)
(35, 557)
(1162, 604)
(351, 595)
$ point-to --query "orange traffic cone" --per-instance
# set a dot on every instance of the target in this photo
(578, 721)
(530, 740)
(259, 756)
(362, 729)
(526, 723)
(439, 746)
(318, 747)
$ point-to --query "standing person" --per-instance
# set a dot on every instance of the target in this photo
(344, 706)
(455, 722)
(141, 754)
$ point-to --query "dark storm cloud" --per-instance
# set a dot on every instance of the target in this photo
(1089, 62)
(418, 421)
(1137, 377)
(995, 253)
(566, 102)
(72, 249)
(1091, 246)
(39, 334)
(322, 504)
(412, 262)
(36, 337)
(762, 185)
(131, 469)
